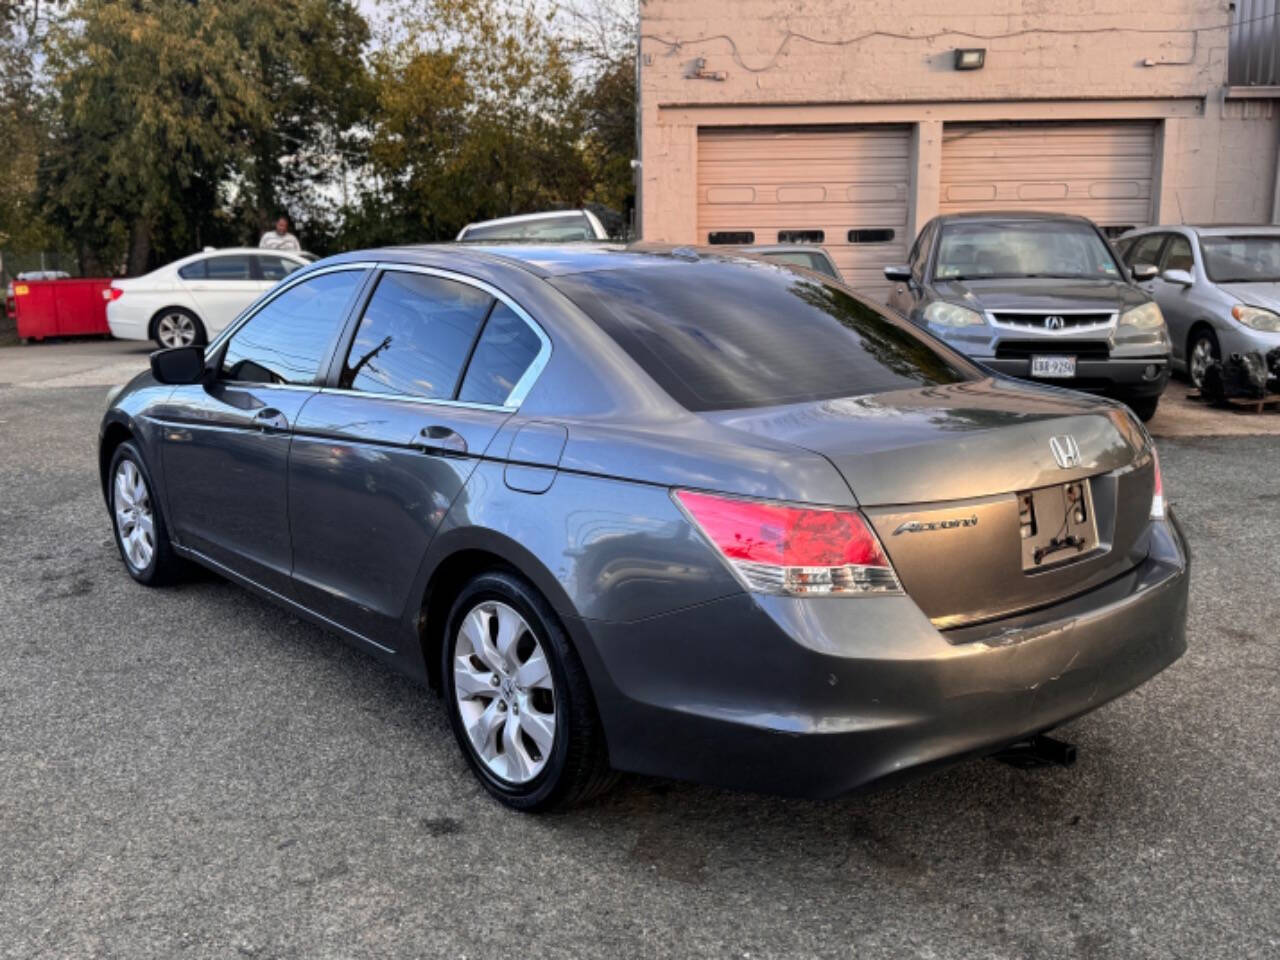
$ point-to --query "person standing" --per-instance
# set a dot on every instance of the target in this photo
(280, 238)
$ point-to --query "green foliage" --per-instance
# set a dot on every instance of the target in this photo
(166, 125)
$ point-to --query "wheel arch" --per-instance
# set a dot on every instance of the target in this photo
(456, 557)
(1200, 323)
(114, 433)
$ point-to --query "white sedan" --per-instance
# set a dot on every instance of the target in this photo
(190, 300)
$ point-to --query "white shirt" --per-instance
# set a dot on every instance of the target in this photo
(279, 241)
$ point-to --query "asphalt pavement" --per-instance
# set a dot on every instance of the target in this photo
(191, 772)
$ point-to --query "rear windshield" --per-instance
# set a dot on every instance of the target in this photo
(571, 226)
(720, 336)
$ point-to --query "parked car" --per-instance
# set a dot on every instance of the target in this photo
(10, 300)
(664, 512)
(1218, 288)
(1039, 296)
(192, 299)
(795, 254)
(562, 226)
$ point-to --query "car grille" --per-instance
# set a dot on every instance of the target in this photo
(1084, 349)
(1036, 321)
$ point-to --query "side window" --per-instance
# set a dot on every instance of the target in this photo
(506, 348)
(415, 336)
(275, 268)
(234, 267)
(193, 271)
(1146, 249)
(289, 339)
(1177, 256)
(920, 250)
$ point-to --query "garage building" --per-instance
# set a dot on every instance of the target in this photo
(850, 124)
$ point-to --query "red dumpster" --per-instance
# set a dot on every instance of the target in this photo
(60, 308)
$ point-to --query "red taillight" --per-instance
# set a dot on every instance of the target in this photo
(780, 548)
(112, 293)
(1157, 496)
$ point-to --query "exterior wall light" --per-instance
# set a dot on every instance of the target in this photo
(971, 58)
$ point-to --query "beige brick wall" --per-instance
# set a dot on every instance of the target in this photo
(858, 61)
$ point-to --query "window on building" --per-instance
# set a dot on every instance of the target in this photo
(731, 238)
(801, 236)
(874, 235)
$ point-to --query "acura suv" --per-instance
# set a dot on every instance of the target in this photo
(666, 512)
(1039, 296)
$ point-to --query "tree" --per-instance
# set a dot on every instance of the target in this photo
(180, 122)
(602, 41)
(477, 117)
(23, 126)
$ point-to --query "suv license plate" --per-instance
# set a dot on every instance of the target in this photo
(1053, 366)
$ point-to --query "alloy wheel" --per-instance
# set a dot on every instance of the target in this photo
(135, 520)
(176, 330)
(504, 692)
(1202, 354)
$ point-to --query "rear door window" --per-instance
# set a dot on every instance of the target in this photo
(415, 336)
(503, 353)
(718, 335)
(236, 267)
(275, 268)
(289, 339)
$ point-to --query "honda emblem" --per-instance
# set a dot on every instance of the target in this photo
(1065, 451)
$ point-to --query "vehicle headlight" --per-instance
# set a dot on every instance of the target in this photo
(1145, 317)
(1256, 318)
(952, 315)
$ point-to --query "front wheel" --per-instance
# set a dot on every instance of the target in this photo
(140, 531)
(1144, 407)
(1201, 351)
(518, 698)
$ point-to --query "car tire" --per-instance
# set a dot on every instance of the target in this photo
(505, 652)
(140, 532)
(178, 327)
(1202, 349)
(1144, 407)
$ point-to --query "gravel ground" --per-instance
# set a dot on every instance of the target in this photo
(192, 772)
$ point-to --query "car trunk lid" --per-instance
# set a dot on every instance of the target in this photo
(939, 472)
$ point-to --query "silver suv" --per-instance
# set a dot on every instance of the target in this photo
(1039, 296)
(1218, 288)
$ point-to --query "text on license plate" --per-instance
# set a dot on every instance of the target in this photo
(1053, 366)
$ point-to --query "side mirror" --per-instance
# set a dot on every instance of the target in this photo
(1144, 271)
(898, 273)
(178, 365)
(1181, 277)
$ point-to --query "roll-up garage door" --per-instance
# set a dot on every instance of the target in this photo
(1098, 170)
(844, 188)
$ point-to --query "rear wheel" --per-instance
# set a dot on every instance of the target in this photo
(1202, 350)
(518, 698)
(176, 327)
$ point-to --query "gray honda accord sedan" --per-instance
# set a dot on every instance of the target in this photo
(659, 511)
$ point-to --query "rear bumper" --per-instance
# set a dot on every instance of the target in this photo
(815, 698)
(1128, 376)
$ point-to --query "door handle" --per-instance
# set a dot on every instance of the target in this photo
(438, 438)
(270, 420)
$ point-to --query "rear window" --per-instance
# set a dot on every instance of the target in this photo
(570, 227)
(720, 336)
